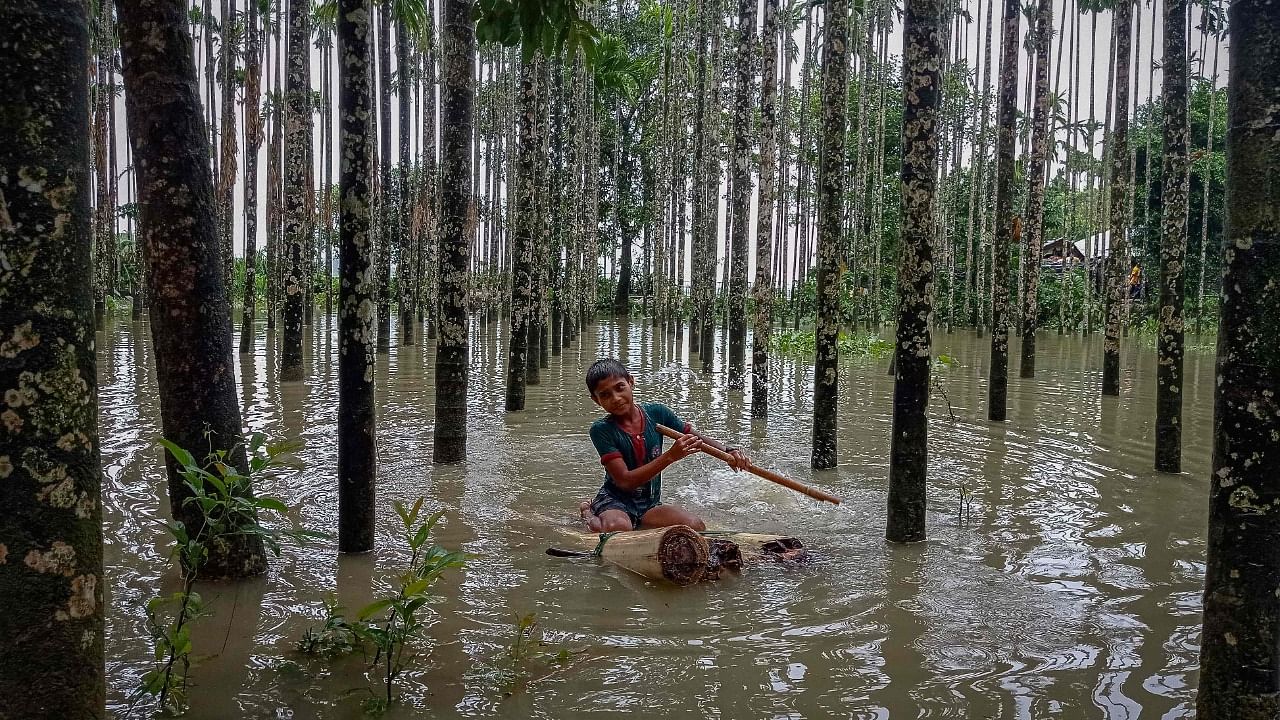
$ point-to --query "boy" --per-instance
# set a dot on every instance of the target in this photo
(630, 448)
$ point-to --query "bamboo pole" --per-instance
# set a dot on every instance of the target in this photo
(758, 471)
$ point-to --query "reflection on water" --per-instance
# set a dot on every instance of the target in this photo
(1071, 590)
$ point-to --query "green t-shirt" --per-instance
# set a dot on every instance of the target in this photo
(635, 450)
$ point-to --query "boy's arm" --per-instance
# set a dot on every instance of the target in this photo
(635, 479)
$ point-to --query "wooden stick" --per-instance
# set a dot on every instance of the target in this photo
(766, 474)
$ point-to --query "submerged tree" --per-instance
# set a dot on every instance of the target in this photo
(922, 97)
(1173, 243)
(740, 202)
(831, 185)
(357, 445)
(1035, 196)
(51, 581)
(763, 290)
(1007, 226)
(1118, 253)
(252, 141)
(191, 318)
(1240, 643)
(523, 307)
(457, 103)
(297, 145)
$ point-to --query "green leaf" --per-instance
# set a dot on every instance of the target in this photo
(183, 457)
(270, 503)
(374, 608)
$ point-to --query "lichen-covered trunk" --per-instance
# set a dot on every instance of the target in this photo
(1240, 643)
(998, 379)
(701, 144)
(386, 190)
(226, 182)
(707, 237)
(1173, 242)
(1206, 184)
(103, 225)
(536, 357)
(741, 200)
(404, 100)
(763, 288)
(430, 179)
(51, 581)
(457, 104)
(626, 226)
(297, 140)
(1118, 254)
(191, 322)
(252, 141)
(922, 97)
(273, 200)
(522, 256)
(831, 186)
(357, 284)
(1034, 231)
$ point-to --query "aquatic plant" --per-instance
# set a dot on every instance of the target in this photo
(229, 508)
(941, 363)
(527, 653)
(391, 623)
(802, 344)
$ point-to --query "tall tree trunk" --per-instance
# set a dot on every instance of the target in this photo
(51, 586)
(357, 443)
(997, 387)
(522, 251)
(297, 140)
(1173, 246)
(191, 325)
(1035, 195)
(1118, 257)
(1206, 182)
(226, 177)
(831, 186)
(252, 142)
(741, 199)
(404, 275)
(457, 105)
(104, 240)
(1240, 643)
(913, 353)
(763, 290)
(386, 193)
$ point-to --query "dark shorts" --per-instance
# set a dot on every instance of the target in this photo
(606, 500)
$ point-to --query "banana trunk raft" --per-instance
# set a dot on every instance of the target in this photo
(681, 555)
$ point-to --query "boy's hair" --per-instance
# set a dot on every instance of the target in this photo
(602, 370)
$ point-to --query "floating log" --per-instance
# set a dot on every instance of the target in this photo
(677, 554)
(683, 556)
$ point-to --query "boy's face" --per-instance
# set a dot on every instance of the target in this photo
(614, 394)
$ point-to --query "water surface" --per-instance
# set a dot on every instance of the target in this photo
(1070, 587)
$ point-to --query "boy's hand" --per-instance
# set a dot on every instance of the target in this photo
(740, 460)
(685, 446)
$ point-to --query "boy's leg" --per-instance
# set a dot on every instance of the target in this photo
(611, 520)
(665, 515)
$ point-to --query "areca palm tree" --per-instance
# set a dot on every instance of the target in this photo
(457, 106)
(357, 445)
(1006, 224)
(297, 146)
(51, 587)
(1173, 244)
(1117, 259)
(831, 185)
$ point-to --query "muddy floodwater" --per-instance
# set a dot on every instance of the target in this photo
(1069, 588)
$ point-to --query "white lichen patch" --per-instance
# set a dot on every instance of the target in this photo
(32, 179)
(1242, 499)
(4, 554)
(84, 600)
(60, 559)
(6, 467)
(11, 421)
(23, 337)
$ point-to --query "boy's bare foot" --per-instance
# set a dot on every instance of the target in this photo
(591, 519)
